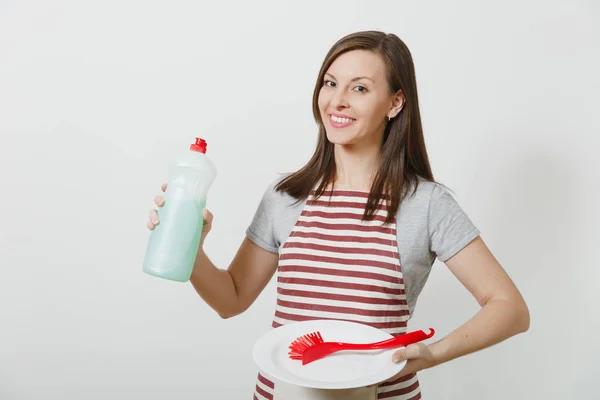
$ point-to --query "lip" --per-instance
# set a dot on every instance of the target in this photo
(338, 124)
(341, 116)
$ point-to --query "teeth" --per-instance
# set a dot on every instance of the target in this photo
(341, 120)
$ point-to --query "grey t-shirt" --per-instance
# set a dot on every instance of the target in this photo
(430, 223)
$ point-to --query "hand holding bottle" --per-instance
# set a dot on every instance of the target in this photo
(159, 200)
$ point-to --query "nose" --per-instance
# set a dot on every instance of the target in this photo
(340, 100)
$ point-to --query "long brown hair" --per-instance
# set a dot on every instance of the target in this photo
(403, 157)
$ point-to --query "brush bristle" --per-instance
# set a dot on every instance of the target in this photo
(299, 346)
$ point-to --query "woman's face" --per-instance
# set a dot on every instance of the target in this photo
(355, 101)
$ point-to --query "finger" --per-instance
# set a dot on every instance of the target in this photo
(150, 225)
(399, 355)
(208, 216)
(163, 187)
(408, 353)
(159, 200)
(154, 217)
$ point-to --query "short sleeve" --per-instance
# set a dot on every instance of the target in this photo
(262, 230)
(450, 228)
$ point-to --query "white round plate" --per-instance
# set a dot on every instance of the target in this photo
(342, 370)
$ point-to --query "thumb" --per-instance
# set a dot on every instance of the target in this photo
(400, 355)
(407, 353)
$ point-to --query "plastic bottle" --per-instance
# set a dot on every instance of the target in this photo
(174, 242)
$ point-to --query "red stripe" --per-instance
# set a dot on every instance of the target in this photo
(342, 250)
(378, 325)
(342, 285)
(399, 380)
(344, 261)
(346, 193)
(324, 214)
(265, 381)
(345, 204)
(342, 310)
(351, 274)
(338, 238)
(346, 227)
(399, 392)
(342, 297)
(264, 393)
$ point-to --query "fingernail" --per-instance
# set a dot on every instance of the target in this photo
(396, 360)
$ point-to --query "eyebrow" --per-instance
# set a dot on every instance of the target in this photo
(353, 79)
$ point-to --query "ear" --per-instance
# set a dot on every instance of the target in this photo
(397, 104)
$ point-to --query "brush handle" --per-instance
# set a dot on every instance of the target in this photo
(398, 341)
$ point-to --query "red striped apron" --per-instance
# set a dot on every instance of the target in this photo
(335, 266)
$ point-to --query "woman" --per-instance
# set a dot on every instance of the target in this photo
(354, 233)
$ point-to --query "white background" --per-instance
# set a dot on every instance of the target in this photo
(96, 97)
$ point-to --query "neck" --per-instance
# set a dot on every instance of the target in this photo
(356, 165)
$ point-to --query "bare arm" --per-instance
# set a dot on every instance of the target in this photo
(230, 292)
(503, 312)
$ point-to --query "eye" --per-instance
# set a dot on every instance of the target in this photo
(360, 88)
(329, 83)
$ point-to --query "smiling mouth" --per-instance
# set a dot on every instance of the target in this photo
(340, 121)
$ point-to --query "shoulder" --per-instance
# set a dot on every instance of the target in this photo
(431, 205)
(421, 195)
(430, 193)
(275, 197)
(275, 217)
(446, 222)
(280, 207)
